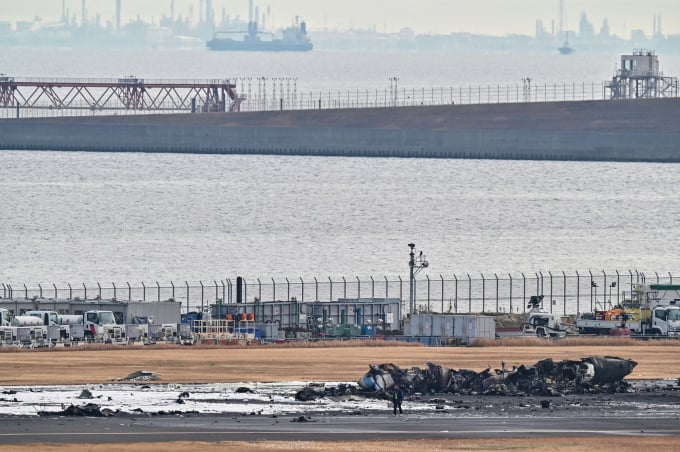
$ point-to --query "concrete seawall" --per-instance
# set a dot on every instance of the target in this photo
(642, 130)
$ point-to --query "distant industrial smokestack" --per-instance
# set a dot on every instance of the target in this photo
(84, 12)
(118, 15)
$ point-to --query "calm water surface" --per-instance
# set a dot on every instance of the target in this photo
(133, 217)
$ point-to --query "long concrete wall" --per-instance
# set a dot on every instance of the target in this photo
(550, 131)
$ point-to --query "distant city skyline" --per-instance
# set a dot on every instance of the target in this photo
(489, 17)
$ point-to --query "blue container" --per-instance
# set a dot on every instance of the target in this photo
(367, 330)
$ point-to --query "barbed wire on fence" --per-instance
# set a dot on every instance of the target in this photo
(565, 293)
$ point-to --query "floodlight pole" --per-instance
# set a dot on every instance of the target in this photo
(411, 264)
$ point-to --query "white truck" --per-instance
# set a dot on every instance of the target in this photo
(101, 326)
(46, 317)
(652, 310)
(542, 323)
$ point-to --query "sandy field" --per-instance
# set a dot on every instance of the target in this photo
(347, 363)
(175, 364)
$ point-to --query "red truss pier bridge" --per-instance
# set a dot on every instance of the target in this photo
(127, 94)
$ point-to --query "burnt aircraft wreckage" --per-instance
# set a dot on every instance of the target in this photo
(545, 378)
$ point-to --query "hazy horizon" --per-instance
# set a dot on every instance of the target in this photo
(491, 17)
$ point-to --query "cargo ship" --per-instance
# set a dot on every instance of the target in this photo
(294, 39)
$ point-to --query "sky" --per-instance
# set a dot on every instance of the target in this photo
(492, 17)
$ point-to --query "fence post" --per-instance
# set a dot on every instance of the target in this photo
(387, 288)
(302, 294)
(158, 290)
(496, 276)
(524, 295)
(592, 285)
(358, 288)
(100, 290)
(129, 292)
(372, 288)
(70, 292)
(39, 287)
(273, 289)
(469, 294)
(188, 299)
(26, 292)
(85, 290)
(330, 291)
(401, 289)
(618, 287)
(510, 278)
(442, 278)
(316, 289)
(172, 284)
(288, 284)
(564, 293)
(483, 293)
(428, 293)
(230, 291)
(604, 284)
(202, 303)
(224, 295)
(578, 293)
(551, 291)
(143, 291)
(455, 294)
(344, 283)
(218, 301)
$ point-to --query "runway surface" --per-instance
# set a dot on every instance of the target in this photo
(322, 428)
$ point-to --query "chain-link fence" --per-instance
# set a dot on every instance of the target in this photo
(565, 293)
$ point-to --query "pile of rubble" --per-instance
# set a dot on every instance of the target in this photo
(545, 378)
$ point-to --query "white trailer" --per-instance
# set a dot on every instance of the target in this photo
(69, 319)
(26, 320)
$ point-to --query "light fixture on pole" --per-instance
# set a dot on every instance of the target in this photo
(416, 264)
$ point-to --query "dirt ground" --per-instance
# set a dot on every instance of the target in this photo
(522, 444)
(270, 364)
